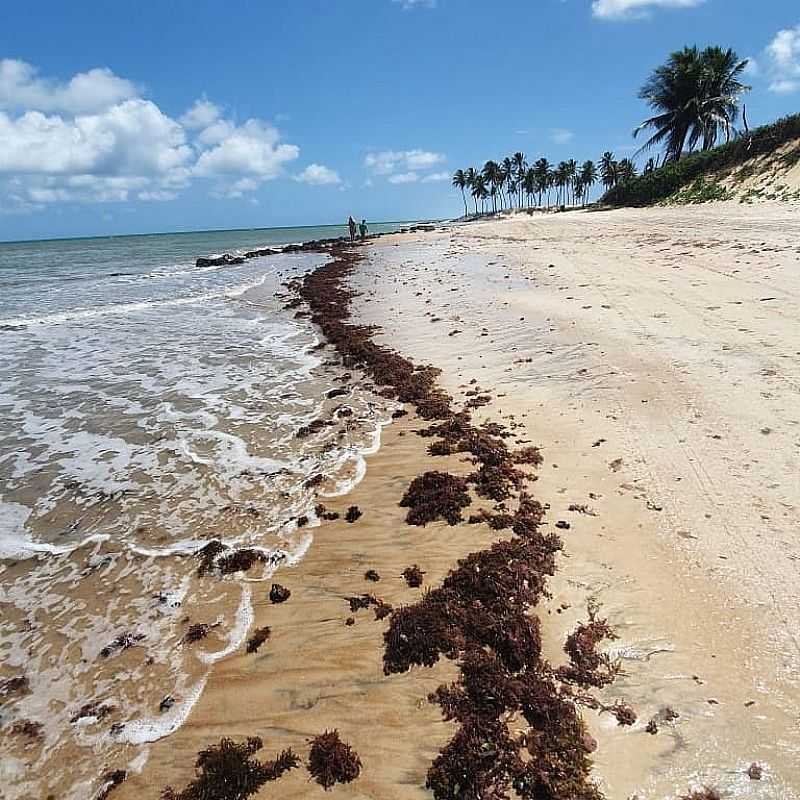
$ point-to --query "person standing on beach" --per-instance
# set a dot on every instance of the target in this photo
(362, 229)
(351, 223)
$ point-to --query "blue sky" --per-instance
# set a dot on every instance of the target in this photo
(156, 116)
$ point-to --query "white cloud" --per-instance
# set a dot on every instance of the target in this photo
(387, 162)
(318, 175)
(408, 5)
(85, 93)
(202, 114)
(636, 9)
(435, 177)
(783, 55)
(561, 135)
(404, 177)
(252, 151)
(94, 138)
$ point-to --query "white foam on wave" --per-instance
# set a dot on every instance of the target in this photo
(150, 729)
(242, 622)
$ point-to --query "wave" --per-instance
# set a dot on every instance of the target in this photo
(125, 308)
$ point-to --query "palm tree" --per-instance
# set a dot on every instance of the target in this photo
(588, 177)
(572, 174)
(627, 170)
(460, 182)
(542, 171)
(479, 190)
(529, 183)
(491, 174)
(508, 169)
(560, 179)
(694, 95)
(608, 170)
(518, 161)
(471, 176)
(722, 92)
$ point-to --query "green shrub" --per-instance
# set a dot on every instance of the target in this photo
(660, 184)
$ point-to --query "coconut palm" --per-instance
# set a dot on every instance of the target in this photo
(508, 169)
(588, 177)
(694, 94)
(491, 174)
(471, 175)
(460, 182)
(518, 161)
(608, 170)
(571, 168)
(479, 190)
(542, 171)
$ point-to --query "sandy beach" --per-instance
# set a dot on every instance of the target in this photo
(650, 355)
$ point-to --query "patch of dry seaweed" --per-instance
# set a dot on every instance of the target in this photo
(194, 633)
(413, 576)
(240, 560)
(208, 555)
(94, 709)
(279, 594)
(435, 495)
(332, 761)
(111, 780)
(260, 635)
(705, 793)
(228, 771)
(27, 728)
(353, 513)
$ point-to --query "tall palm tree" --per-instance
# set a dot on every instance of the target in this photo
(479, 190)
(542, 171)
(588, 177)
(560, 179)
(491, 174)
(471, 175)
(508, 169)
(529, 184)
(722, 91)
(694, 94)
(518, 160)
(460, 182)
(608, 169)
(572, 174)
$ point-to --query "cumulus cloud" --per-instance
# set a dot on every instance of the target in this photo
(318, 175)
(404, 177)
(387, 162)
(636, 9)
(94, 138)
(85, 93)
(201, 115)
(783, 56)
(435, 177)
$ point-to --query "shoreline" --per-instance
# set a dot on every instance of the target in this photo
(417, 386)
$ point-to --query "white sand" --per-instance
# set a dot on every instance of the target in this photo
(658, 363)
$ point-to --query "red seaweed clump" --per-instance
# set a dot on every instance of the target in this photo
(413, 576)
(96, 709)
(372, 575)
(122, 642)
(228, 771)
(260, 635)
(240, 560)
(706, 793)
(279, 594)
(208, 556)
(435, 495)
(194, 633)
(353, 513)
(587, 667)
(332, 761)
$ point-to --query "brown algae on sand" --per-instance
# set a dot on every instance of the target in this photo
(332, 761)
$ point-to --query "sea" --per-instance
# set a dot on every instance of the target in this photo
(148, 407)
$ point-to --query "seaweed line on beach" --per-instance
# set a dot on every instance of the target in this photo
(519, 725)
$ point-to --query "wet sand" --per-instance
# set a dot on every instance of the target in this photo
(661, 384)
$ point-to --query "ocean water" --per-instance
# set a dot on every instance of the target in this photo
(146, 408)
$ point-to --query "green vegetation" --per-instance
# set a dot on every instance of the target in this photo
(696, 98)
(670, 179)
